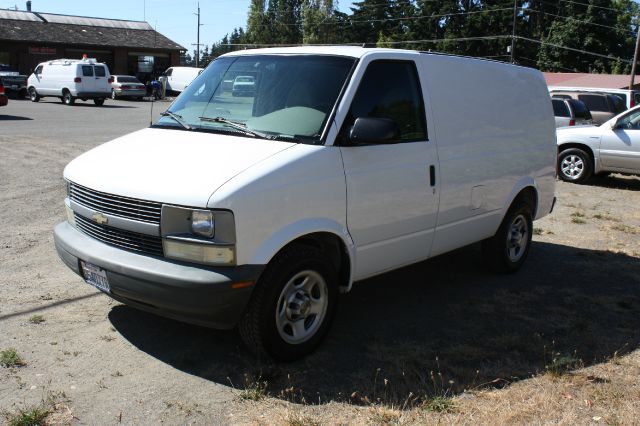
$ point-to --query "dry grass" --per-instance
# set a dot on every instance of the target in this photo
(51, 410)
(606, 393)
(36, 319)
(625, 228)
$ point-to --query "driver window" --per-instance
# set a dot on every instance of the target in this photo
(38, 70)
(630, 122)
(391, 89)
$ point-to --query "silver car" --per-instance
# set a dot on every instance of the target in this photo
(611, 147)
(127, 86)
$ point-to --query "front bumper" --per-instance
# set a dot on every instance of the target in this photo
(195, 294)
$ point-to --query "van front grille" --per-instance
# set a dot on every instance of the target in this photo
(130, 208)
(127, 240)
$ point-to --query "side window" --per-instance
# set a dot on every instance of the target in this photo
(391, 89)
(630, 122)
(560, 108)
(595, 102)
(553, 95)
(100, 72)
(87, 71)
(168, 72)
(38, 70)
(636, 98)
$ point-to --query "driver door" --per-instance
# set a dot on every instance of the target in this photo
(391, 195)
(620, 146)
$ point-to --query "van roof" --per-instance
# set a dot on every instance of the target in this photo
(351, 51)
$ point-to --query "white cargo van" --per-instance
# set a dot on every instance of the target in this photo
(178, 78)
(70, 79)
(344, 163)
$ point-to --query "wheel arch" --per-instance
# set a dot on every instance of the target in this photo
(525, 189)
(579, 145)
(335, 242)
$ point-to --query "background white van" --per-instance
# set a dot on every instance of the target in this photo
(177, 78)
(70, 79)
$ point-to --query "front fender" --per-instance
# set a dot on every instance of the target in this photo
(279, 239)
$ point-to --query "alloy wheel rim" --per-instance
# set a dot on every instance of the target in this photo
(517, 238)
(572, 166)
(302, 307)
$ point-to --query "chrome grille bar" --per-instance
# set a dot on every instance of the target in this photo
(127, 240)
(130, 208)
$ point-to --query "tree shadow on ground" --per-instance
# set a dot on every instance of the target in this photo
(434, 328)
(616, 181)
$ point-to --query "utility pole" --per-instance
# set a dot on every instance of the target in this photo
(198, 39)
(635, 57)
(513, 30)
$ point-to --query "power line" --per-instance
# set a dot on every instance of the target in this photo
(545, 43)
(580, 20)
(592, 5)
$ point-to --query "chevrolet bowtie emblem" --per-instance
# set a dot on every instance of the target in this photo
(100, 218)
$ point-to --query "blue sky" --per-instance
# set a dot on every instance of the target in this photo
(173, 18)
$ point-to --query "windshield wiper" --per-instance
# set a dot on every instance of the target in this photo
(177, 118)
(239, 126)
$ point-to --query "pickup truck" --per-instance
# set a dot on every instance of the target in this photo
(14, 83)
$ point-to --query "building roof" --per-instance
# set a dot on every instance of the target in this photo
(605, 81)
(80, 30)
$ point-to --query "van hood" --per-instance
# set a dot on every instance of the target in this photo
(169, 166)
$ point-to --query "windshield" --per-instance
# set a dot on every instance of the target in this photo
(279, 96)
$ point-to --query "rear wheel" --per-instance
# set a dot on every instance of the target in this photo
(98, 102)
(574, 165)
(292, 305)
(67, 99)
(33, 95)
(507, 250)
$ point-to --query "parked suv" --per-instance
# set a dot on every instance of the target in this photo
(601, 105)
(570, 112)
(70, 79)
(611, 147)
(258, 212)
(630, 98)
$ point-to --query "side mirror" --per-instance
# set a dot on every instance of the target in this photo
(373, 130)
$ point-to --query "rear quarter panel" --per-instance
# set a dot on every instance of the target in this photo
(495, 130)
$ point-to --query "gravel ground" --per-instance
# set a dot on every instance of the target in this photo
(435, 328)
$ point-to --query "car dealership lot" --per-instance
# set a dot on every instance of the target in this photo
(578, 295)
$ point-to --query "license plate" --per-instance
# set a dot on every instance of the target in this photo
(14, 87)
(95, 276)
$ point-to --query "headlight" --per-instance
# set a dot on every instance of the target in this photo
(198, 235)
(202, 223)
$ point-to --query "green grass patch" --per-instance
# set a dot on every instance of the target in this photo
(36, 319)
(11, 358)
(439, 404)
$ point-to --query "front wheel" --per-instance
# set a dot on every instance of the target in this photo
(507, 250)
(33, 95)
(98, 102)
(574, 165)
(292, 305)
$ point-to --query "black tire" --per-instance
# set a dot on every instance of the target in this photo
(574, 165)
(67, 99)
(499, 252)
(33, 95)
(98, 102)
(259, 327)
(113, 95)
